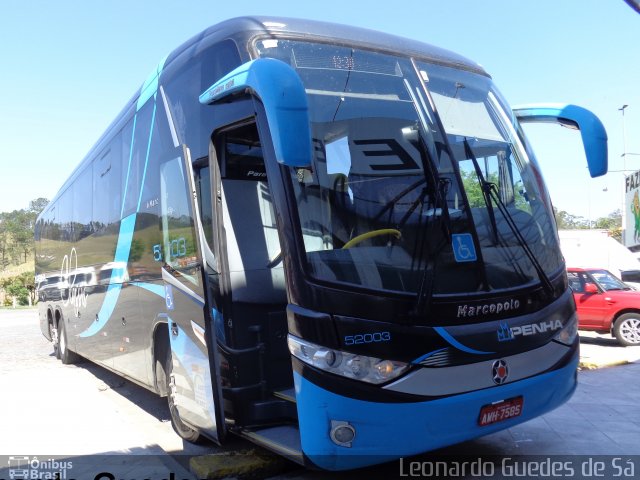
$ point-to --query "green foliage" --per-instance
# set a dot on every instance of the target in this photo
(16, 233)
(612, 223)
(137, 249)
(38, 205)
(21, 288)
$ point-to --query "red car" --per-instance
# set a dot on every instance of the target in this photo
(605, 304)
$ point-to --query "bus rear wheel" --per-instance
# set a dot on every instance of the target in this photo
(66, 356)
(184, 431)
(55, 341)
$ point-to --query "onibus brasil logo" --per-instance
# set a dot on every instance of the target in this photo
(21, 467)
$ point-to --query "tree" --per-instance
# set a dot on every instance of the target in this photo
(613, 223)
(27, 279)
(20, 225)
(37, 206)
(16, 289)
(16, 233)
(567, 221)
(5, 243)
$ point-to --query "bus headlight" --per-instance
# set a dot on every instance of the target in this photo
(569, 332)
(359, 367)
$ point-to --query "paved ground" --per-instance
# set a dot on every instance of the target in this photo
(49, 410)
(597, 351)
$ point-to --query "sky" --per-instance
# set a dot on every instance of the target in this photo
(68, 67)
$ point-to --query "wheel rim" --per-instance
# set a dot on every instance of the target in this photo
(54, 336)
(62, 343)
(173, 410)
(630, 330)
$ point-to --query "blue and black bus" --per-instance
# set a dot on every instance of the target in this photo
(334, 242)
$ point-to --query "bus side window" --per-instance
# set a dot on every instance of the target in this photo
(135, 139)
(196, 71)
(203, 188)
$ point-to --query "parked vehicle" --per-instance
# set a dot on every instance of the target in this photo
(605, 304)
(586, 248)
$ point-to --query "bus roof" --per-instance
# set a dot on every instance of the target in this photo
(243, 29)
(252, 26)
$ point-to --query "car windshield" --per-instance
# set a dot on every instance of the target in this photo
(608, 281)
(401, 151)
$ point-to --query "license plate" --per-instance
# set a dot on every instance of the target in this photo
(499, 411)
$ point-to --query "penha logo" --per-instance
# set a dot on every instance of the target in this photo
(506, 333)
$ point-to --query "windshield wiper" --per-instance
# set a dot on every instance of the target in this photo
(438, 188)
(490, 192)
(485, 187)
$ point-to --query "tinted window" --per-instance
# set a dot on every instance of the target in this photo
(106, 186)
(147, 240)
(242, 155)
(160, 146)
(203, 186)
(83, 204)
(134, 155)
(192, 119)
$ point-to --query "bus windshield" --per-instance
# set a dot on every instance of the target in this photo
(405, 154)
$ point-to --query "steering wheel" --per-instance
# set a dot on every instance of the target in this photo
(373, 233)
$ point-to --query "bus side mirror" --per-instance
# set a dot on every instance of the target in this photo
(282, 93)
(590, 288)
(594, 136)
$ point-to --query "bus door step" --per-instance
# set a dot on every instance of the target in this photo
(288, 394)
(282, 439)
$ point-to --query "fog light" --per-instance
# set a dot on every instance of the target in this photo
(342, 433)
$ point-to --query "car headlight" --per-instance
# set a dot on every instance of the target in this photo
(569, 332)
(350, 365)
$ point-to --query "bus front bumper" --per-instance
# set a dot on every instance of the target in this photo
(388, 431)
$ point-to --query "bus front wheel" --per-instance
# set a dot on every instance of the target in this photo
(184, 431)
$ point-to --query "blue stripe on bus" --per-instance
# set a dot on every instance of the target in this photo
(427, 355)
(127, 225)
(146, 159)
(447, 336)
(150, 287)
(150, 85)
(126, 182)
(118, 275)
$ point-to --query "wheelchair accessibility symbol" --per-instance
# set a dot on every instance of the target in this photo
(463, 248)
(168, 297)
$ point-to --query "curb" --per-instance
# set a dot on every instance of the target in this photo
(586, 365)
(240, 464)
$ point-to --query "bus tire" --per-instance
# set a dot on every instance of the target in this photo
(184, 431)
(627, 329)
(55, 342)
(66, 356)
